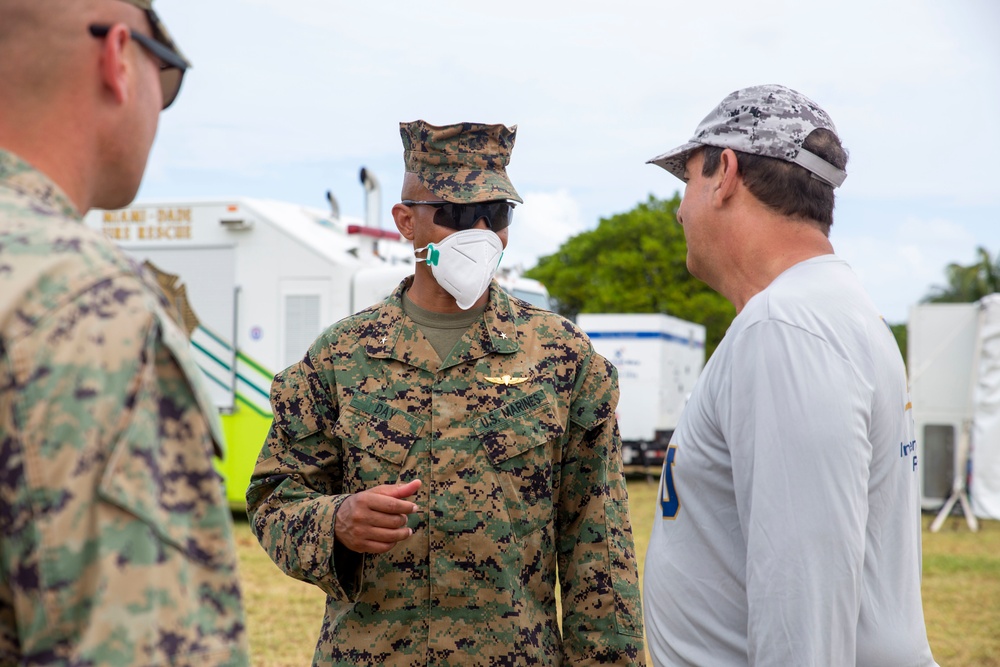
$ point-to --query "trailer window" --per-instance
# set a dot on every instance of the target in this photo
(302, 325)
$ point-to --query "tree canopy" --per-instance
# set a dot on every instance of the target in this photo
(633, 262)
(968, 283)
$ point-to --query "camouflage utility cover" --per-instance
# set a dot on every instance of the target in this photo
(520, 479)
(462, 163)
(770, 120)
(117, 543)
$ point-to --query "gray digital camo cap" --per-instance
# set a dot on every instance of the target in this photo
(770, 120)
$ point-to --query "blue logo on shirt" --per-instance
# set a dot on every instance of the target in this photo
(907, 449)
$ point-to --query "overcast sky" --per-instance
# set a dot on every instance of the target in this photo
(290, 98)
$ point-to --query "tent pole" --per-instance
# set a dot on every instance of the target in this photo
(959, 491)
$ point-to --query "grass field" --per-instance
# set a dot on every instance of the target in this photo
(961, 592)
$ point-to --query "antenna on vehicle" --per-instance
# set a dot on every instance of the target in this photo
(373, 198)
(334, 206)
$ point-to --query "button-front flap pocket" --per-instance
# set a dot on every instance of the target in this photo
(518, 426)
(378, 428)
(520, 440)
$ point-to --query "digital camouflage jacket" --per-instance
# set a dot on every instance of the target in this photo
(115, 540)
(515, 441)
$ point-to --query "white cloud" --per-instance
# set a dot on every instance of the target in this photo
(899, 268)
(596, 89)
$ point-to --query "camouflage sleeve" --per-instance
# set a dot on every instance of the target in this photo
(9, 644)
(117, 543)
(295, 489)
(598, 572)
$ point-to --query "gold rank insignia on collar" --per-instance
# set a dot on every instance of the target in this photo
(506, 380)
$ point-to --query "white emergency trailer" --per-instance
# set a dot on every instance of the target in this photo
(264, 279)
(658, 358)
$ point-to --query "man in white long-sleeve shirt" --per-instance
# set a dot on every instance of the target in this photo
(788, 531)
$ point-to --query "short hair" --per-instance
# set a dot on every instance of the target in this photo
(784, 186)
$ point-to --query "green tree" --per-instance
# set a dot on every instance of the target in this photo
(633, 262)
(968, 283)
(901, 334)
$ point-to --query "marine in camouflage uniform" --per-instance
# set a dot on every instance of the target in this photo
(116, 544)
(514, 439)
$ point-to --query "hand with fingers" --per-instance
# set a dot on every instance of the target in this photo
(374, 520)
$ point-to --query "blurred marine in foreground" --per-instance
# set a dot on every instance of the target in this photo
(116, 541)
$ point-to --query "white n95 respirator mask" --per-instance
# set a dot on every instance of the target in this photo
(464, 263)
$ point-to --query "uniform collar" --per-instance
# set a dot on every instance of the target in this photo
(393, 335)
(22, 178)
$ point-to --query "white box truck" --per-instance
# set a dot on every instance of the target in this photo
(658, 358)
(264, 279)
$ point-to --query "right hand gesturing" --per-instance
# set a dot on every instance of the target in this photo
(373, 520)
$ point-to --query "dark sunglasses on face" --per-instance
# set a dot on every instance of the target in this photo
(172, 66)
(460, 217)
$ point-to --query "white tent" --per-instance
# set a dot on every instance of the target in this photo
(954, 367)
(985, 447)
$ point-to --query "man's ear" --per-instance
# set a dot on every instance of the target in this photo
(115, 69)
(403, 215)
(728, 175)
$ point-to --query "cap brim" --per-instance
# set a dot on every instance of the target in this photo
(675, 161)
(470, 186)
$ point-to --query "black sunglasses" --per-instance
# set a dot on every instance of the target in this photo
(497, 214)
(172, 65)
